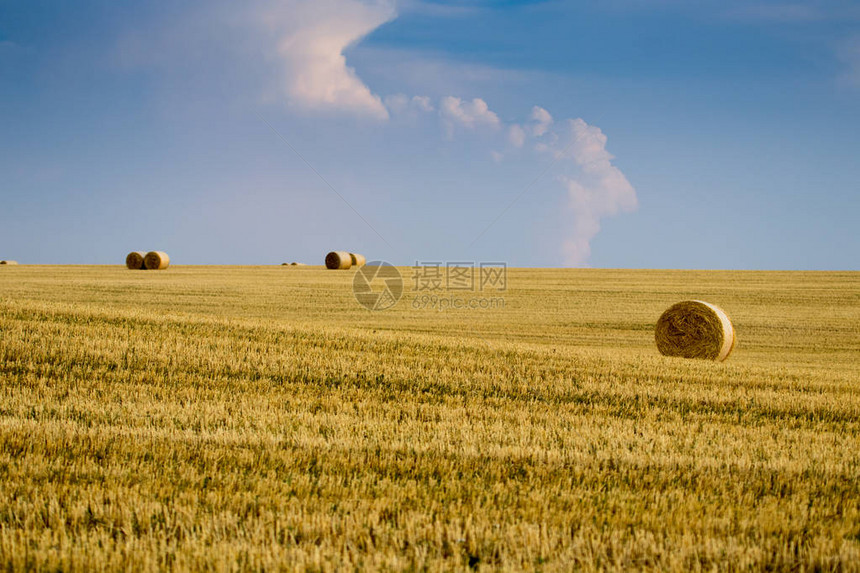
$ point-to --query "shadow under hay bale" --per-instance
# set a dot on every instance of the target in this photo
(695, 329)
(338, 260)
(156, 260)
(134, 260)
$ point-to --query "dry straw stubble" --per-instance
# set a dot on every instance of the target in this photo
(695, 329)
(156, 260)
(314, 443)
(338, 260)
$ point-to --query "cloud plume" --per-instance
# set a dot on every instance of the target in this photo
(600, 191)
(312, 36)
(595, 188)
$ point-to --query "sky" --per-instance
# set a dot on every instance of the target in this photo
(616, 134)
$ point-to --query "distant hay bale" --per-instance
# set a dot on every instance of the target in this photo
(9, 263)
(357, 260)
(695, 329)
(134, 260)
(156, 260)
(338, 260)
(295, 264)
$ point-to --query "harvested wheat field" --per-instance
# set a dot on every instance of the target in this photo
(228, 418)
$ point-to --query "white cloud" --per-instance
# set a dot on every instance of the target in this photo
(397, 103)
(423, 103)
(402, 104)
(470, 114)
(311, 38)
(308, 40)
(516, 135)
(597, 190)
(601, 190)
(542, 120)
(589, 144)
(319, 78)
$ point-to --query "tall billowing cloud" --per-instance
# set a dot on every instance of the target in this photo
(596, 189)
(312, 36)
(601, 189)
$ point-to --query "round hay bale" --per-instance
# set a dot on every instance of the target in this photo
(156, 260)
(357, 260)
(695, 329)
(295, 264)
(338, 260)
(134, 260)
(9, 263)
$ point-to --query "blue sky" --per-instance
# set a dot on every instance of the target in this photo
(622, 133)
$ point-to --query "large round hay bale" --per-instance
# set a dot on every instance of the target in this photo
(10, 263)
(357, 260)
(695, 329)
(156, 260)
(134, 260)
(338, 260)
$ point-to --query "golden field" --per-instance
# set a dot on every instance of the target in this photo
(258, 418)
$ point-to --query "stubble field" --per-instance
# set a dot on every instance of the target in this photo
(233, 418)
